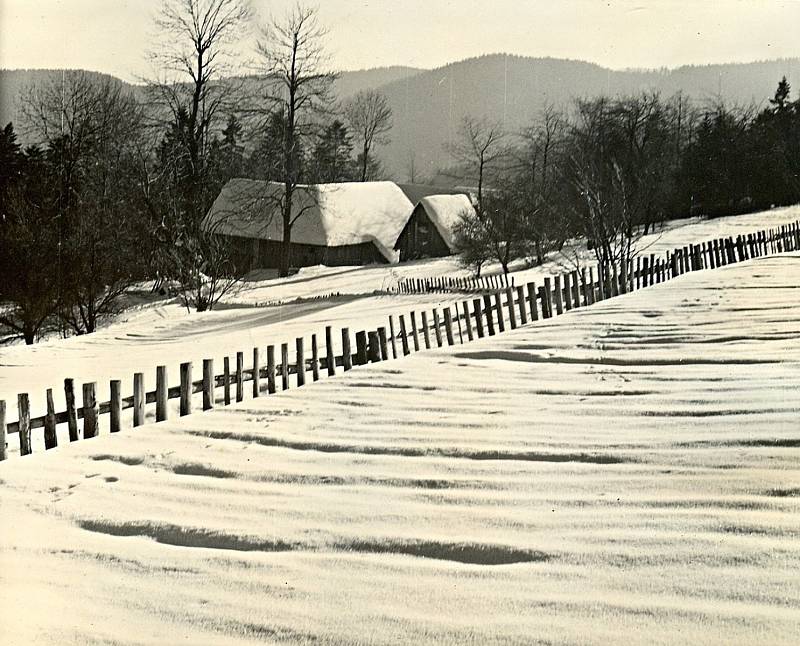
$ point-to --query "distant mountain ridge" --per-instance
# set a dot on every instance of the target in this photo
(429, 104)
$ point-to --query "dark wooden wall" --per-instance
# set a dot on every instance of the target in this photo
(250, 253)
(420, 238)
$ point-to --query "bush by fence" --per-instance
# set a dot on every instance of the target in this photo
(470, 319)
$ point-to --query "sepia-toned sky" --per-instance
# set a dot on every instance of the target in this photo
(112, 35)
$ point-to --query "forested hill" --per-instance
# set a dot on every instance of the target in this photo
(428, 107)
(13, 84)
(428, 104)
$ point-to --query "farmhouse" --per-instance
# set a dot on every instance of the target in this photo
(428, 233)
(335, 224)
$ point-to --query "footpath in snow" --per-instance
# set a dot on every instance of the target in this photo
(628, 470)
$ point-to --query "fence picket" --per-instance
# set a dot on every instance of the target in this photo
(24, 409)
(139, 397)
(72, 415)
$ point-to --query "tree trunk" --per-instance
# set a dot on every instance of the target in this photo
(286, 247)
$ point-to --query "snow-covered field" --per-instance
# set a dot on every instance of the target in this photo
(626, 472)
(167, 335)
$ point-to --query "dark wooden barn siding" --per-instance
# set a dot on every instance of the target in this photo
(252, 253)
(420, 238)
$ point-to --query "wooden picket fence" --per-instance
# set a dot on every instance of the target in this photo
(461, 322)
(453, 284)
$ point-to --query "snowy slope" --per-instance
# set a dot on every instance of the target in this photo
(168, 335)
(632, 467)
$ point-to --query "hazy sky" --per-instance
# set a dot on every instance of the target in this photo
(112, 35)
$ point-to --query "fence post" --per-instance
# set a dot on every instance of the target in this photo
(115, 408)
(329, 353)
(284, 366)
(361, 348)
(24, 407)
(89, 410)
(256, 372)
(414, 334)
(72, 416)
(533, 309)
(50, 438)
(585, 287)
(426, 333)
(487, 301)
(239, 376)
(314, 358)
(300, 361)
(138, 398)
(208, 384)
(576, 289)
(161, 394)
(437, 327)
(548, 297)
(271, 370)
(543, 299)
(498, 305)
(567, 291)
(3, 450)
(384, 344)
(226, 370)
(523, 315)
(186, 389)
(623, 276)
(373, 345)
(614, 280)
(458, 322)
(559, 295)
(392, 336)
(448, 326)
(467, 323)
(476, 312)
(404, 336)
(601, 282)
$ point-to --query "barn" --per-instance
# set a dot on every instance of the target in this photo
(354, 223)
(428, 233)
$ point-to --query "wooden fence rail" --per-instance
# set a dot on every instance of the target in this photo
(487, 316)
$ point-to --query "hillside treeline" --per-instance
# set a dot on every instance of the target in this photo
(609, 169)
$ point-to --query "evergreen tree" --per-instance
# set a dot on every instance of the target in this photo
(332, 156)
(781, 98)
(231, 150)
(11, 161)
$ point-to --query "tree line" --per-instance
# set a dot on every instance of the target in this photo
(117, 186)
(609, 169)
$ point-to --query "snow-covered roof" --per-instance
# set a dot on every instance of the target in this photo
(444, 211)
(328, 215)
(415, 192)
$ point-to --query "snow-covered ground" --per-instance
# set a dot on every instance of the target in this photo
(155, 335)
(626, 472)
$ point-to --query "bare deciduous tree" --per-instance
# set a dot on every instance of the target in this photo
(540, 162)
(480, 145)
(197, 51)
(370, 119)
(298, 85)
(190, 97)
(88, 128)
